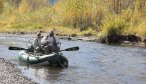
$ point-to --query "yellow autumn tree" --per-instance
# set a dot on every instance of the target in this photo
(24, 7)
(1, 5)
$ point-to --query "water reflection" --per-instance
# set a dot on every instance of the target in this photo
(41, 73)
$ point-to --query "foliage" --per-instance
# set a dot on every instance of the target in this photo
(93, 17)
(1, 6)
(125, 20)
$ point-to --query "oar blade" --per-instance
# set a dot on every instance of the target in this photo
(16, 48)
(72, 49)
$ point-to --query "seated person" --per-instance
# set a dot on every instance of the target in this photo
(37, 43)
(50, 43)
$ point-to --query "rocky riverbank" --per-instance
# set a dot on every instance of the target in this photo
(9, 74)
(130, 40)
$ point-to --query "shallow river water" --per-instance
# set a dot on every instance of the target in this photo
(94, 63)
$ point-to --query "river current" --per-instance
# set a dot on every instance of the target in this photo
(94, 63)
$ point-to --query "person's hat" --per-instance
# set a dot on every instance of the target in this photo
(38, 34)
(51, 32)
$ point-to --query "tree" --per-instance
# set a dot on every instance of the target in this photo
(15, 3)
(1, 5)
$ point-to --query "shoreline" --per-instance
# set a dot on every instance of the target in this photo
(91, 38)
(12, 75)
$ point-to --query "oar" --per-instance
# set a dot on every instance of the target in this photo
(68, 49)
(71, 49)
(16, 48)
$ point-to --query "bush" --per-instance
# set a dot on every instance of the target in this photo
(114, 25)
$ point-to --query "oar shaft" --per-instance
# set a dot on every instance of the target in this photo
(68, 49)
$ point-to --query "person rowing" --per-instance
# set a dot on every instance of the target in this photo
(50, 43)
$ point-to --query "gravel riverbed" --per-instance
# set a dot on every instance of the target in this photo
(9, 74)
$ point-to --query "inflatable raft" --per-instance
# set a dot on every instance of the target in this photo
(53, 59)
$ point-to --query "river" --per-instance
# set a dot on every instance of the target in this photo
(94, 63)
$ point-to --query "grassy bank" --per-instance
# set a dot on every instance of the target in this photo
(80, 17)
